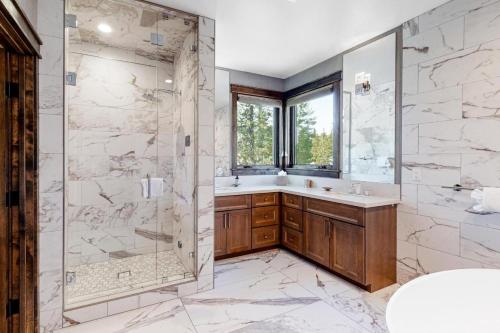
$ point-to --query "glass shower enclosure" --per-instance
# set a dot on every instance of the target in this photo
(130, 101)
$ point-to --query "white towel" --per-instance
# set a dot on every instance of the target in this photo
(491, 199)
(152, 188)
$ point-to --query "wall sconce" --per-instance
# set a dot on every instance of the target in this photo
(362, 84)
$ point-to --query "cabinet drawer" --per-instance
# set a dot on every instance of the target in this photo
(344, 213)
(265, 199)
(232, 202)
(264, 216)
(292, 239)
(265, 236)
(290, 200)
(292, 218)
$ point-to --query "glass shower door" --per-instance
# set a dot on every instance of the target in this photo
(111, 132)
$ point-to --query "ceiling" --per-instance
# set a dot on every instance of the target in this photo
(280, 38)
(130, 26)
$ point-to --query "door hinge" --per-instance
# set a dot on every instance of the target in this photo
(12, 89)
(12, 307)
(12, 199)
(70, 78)
(70, 21)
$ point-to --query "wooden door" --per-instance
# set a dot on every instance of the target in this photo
(316, 238)
(347, 250)
(239, 231)
(18, 209)
(4, 211)
(19, 50)
(220, 234)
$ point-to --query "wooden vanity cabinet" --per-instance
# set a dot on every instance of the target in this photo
(246, 222)
(357, 243)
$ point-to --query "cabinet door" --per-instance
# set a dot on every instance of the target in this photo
(239, 231)
(347, 250)
(220, 235)
(316, 238)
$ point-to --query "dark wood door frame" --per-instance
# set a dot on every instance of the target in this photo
(20, 50)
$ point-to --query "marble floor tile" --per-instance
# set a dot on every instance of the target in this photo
(318, 317)
(240, 268)
(234, 306)
(272, 291)
(164, 317)
(316, 280)
(367, 309)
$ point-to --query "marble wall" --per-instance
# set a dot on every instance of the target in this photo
(185, 65)
(112, 143)
(51, 175)
(450, 136)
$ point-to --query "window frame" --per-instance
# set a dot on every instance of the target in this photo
(331, 171)
(255, 169)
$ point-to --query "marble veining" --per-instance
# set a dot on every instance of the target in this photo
(450, 113)
(281, 293)
(128, 119)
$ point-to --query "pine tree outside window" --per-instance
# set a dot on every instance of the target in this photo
(256, 140)
(313, 131)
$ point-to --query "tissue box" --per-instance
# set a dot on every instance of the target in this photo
(281, 180)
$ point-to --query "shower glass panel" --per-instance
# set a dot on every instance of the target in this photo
(130, 101)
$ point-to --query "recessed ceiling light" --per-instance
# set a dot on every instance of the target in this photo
(168, 81)
(104, 28)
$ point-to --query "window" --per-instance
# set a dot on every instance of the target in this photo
(314, 130)
(256, 130)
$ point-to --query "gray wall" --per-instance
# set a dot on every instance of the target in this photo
(254, 80)
(325, 68)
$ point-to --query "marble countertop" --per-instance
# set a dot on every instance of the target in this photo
(316, 193)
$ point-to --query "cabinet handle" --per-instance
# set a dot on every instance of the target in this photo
(228, 221)
(327, 227)
(224, 221)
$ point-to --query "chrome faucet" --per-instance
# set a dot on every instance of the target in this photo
(236, 181)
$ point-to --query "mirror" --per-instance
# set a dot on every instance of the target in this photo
(222, 124)
(369, 117)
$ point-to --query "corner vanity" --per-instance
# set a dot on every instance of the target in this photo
(350, 235)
